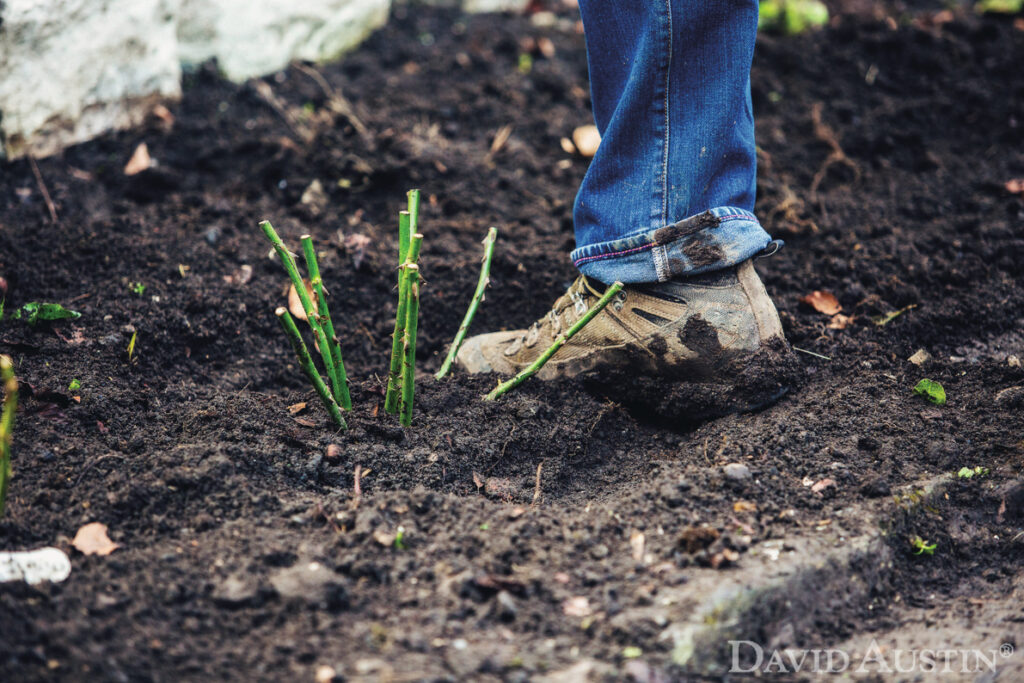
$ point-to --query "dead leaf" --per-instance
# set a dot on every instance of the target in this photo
(333, 451)
(92, 539)
(744, 506)
(822, 302)
(587, 140)
(1015, 185)
(140, 160)
(384, 537)
(636, 544)
(724, 558)
(822, 485)
(578, 606)
(164, 115)
(304, 422)
(295, 303)
(296, 408)
(356, 244)
(478, 480)
(840, 322)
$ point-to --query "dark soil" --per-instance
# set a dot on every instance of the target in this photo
(221, 499)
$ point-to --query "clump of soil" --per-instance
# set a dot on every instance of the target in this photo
(245, 552)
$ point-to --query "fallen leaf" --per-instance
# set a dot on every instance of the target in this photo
(164, 115)
(140, 160)
(587, 140)
(578, 606)
(304, 422)
(295, 303)
(840, 322)
(92, 539)
(356, 244)
(744, 506)
(822, 485)
(296, 408)
(822, 302)
(478, 480)
(333, 451)
(1016, 185)
(636, 544)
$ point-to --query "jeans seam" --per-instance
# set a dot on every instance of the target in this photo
(668, 127)
(661, 269)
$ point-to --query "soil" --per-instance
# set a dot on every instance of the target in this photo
(245, 553)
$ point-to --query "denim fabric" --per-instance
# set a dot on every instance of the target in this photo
(671, 188)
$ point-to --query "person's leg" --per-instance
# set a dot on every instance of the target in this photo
(670, 83)
(665, 208)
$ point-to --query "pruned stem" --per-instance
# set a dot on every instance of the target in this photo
(343, 398)
(10, 406)
(412, 286)
(307, 305)
(404, 233)
(306, 363)
(414, 211)
(481, 286)
(526, 373)
(395, 374)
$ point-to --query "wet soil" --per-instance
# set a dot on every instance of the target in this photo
(245, 553)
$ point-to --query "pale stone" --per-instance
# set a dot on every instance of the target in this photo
(920, 357)
(254, 37)
(72, 69)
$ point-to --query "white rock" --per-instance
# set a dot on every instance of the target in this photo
(72, 69)
(254, 37)
(35, 566)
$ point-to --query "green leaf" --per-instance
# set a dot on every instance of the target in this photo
(932, 391)
(75, 385)
(999, 6)
(136, 288)
(968, 472)
(631, 652)
(35, 311)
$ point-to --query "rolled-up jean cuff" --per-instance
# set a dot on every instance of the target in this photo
(721, 237)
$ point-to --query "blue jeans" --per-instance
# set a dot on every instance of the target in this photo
(670, 191)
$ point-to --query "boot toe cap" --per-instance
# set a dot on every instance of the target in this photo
(483, 353)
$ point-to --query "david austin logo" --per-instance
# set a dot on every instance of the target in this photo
(749, 657)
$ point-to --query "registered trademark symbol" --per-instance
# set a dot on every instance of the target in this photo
(1006, 649)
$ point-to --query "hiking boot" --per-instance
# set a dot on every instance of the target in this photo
(702, 329)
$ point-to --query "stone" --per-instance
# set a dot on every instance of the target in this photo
(311, 582)
(235, 591)
(73, 69)
(255, 37)
(737, 471)
(920, 357)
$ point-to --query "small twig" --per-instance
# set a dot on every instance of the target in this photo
(823, 132)
(357, 489)
(528, 372)
(478, 296)
(338, 103)
(85, 470)
(811, 353)
(42, 188)
(536, 486)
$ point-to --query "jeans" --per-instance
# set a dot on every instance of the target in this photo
(670, 191)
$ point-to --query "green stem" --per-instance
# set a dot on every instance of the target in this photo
(10, 406)
(307, 306)
(392, 397)
(404, 232)
(343, 398)
(558, 343)
(481, 285)
(306, 363)
(414, 211)
(412, 285)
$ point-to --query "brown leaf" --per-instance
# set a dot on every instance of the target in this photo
(840, 322)
(92, 539)
(164, 115)
(695, 538)
(822, 302)
(304, 422)
(296, 408)
(356, 244)
(744, 506)
(478, 480)
(587, 140)
(724, 558)
(295, 303)
(822, 485)
(333, 451)
(577, 606)
(140, 160)
(1015, 185)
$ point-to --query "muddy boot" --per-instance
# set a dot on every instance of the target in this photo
(708, 344)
